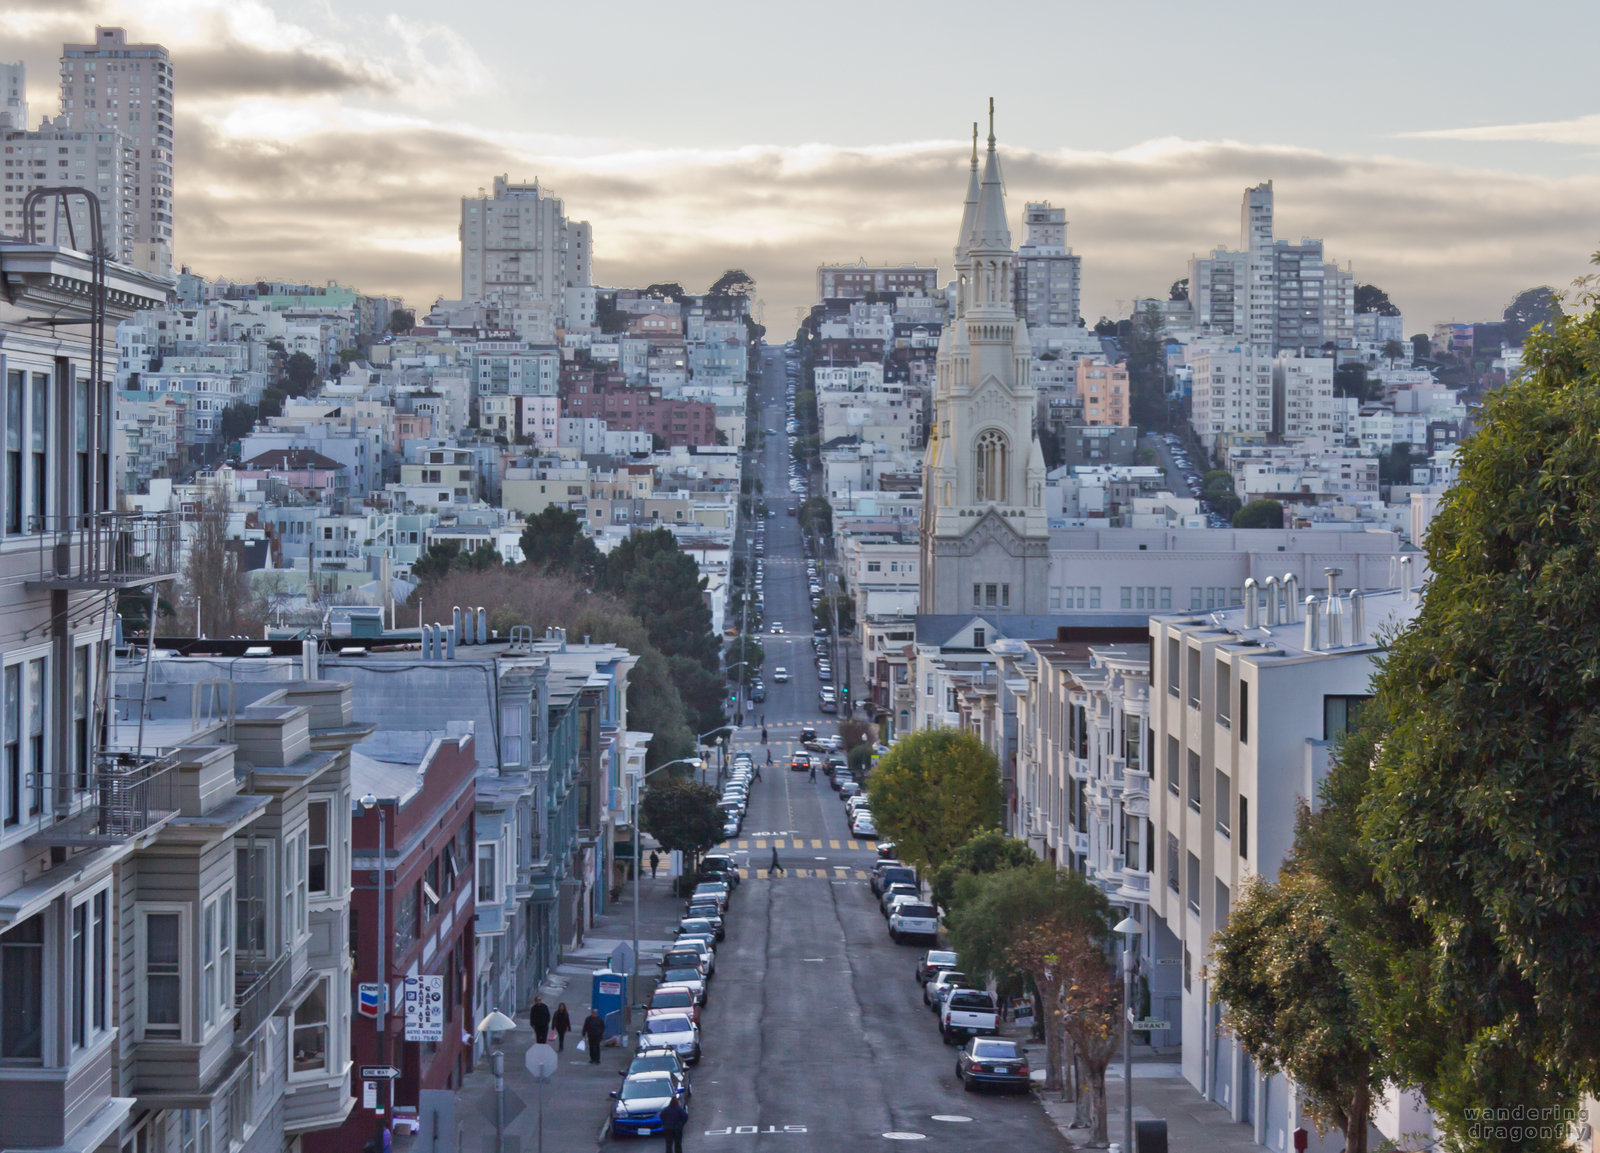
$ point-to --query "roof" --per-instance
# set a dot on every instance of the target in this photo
(290, 460)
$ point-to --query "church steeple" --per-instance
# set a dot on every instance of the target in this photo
(989, 232)
(969, 211)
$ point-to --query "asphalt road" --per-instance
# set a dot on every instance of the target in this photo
(816, 1039)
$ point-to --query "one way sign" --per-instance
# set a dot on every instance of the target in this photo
(377, 1072)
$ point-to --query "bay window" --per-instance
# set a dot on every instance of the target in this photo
(161, 952)
(22, 992)
(89, 949)
(309, 1047)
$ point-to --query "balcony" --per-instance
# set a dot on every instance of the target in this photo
(104, 550)
(124, 795)
(258, 992)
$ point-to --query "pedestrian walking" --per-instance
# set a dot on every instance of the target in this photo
(769, 756)
(813, 770)
(763, 734)
(594, 1032)
(763, 721)
(673, 1118)
(561, 1024)
(539, 1018)
(774, 868)
(654, 862)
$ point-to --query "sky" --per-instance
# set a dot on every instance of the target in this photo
(1449, 153)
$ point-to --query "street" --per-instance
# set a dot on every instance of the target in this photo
(815, 1033)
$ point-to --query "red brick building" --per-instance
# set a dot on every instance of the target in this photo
(424, 785)
(606, 395)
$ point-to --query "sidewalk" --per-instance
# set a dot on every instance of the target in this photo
(1194, 1124)
(576, 1102)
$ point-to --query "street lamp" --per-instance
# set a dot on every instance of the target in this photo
(368, 804)
(496, 1023)
(1130, 929)
(633, 977)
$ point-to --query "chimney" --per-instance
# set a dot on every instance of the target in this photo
(483, 626)
(1272, 600)
(427, 642)
(1291, 597)
(1358, 617)
(1335, 622)
(1313, 641)
(1251, 603)
(1405, 579)
(1333, 575)
(455, 624)
(449, 639)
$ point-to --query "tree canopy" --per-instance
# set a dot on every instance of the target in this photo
(985, 852)
(1371, 298)
(735, 282)
(933, 791)
(1529, 308)
(1480, 812)
(667, 290)
(300, 373)
(555, 541)
(681, 814)
(1259, 514)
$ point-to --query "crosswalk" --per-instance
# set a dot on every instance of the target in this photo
(792, 843)
(837, 873)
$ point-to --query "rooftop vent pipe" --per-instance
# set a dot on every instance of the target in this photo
(1251, 603)
(1358, 617)
(449, 638)
(1313, 637)
(483, 626)
(1272, 600)
(1405, 579)
(1291, 597)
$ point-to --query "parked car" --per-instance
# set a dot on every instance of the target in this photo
(863, 826)
(660, 1061)
(672, 1031)
(780, 675)
(703, 925)
(897, 874)
(916, 919)
(637, 1112)
(849, 787)
(878, 866)
(967, 1013)
(677, 997)
(934, 962)
(991, 1061)
(686, 958)
(703, 943)
(689, 976)
(886, 901)
(933, 993)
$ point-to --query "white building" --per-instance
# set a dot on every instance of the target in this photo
(1049, 275)
(102, 160)
(1244, 393)
(13, 95)
(114, 85)
(519, 251)
(1245, 707)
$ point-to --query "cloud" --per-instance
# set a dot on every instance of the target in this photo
(1584, 130)
(374, 199)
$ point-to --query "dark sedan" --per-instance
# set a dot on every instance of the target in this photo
(991, 1061)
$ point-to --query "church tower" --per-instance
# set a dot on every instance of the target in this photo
(985, 536)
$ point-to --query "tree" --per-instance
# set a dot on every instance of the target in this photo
(735, 283)
(667, 290)
(1421, 347)
(748, 650)
(1179, 289)
(841, 603)
(933, 791)
(1350, 380)
(682, 815)
(1291, 1006)
(1480, 811)
(1259, 514)
(1147, 368)
(300, 373)
(816, 517)
(1393, 350)
(1394, 467)
(1529, 309)
(985, 852)
(1371, 298)
(662, 586)
(213, 581)
(554, 540)
(237, 421)
(702, 692)
(402, 320)
(1025, 921)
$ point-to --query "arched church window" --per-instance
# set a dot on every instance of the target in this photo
(991, 467)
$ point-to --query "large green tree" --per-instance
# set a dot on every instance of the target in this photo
(682, 815)
(1481, 810)
(1290, 1005)
(933, 791)
(1259, 514)
(1531, 307)
(985, 852)
(554, 539)
(662, 586)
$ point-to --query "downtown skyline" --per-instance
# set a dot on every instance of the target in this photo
(317, 144)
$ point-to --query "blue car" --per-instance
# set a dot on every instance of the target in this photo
(637, 1112)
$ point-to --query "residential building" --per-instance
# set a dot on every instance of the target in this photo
(110, 84)
(519, 251)
(1104, 392)
(13, 95)
(855, 281)
(1049, 276)
(101, 160)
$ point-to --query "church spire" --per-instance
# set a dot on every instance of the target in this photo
(989, 231)
(969, 211)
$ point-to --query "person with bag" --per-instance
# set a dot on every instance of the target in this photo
(594, 1033)
(539, 1018)
(673, 1119)
(562, 1024)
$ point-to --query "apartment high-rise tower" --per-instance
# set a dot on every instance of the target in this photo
(520, 253)
(112, 84)
(1049, 275)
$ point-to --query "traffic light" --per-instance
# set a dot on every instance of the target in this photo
(844, 691)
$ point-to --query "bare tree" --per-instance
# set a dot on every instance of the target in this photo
(216, 591)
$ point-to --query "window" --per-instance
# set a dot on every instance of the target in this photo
(22, 991)
(252, 910)
(991, 468)
(1005, 596)
(35, 784)
(1172, 766)
(1127, 596)
(1223, 903)
(406, 929)
(1194, 883)
(977, 596)
(1244, 711)
(161, 991)
(294, 896)
(1340, 714)
(1244, 826)
(1134, 731)
(1224, 803)
(1172, 862)
(13, 439)
(1173, 666)
(38, 427)
(1094, 596)
(487, 886)
(80, 718)
(1188, 967)
(430, 892)
(318, 814)
(991, 595)
(1132, 836)
(11, 801)
(309, 1051)
(979, 638)
(90, 972)
(1194, 780)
